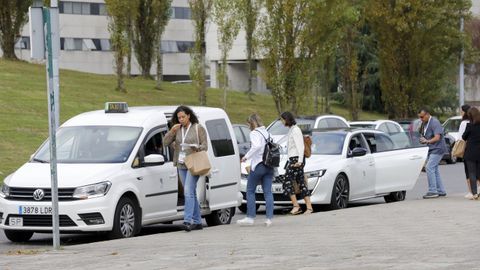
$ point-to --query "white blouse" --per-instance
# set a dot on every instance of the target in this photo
(295, 144)
(255, 154)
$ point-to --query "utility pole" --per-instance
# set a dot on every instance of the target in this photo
(461, 94)
(45, 44)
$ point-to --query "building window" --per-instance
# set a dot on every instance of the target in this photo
(77, 8)
(23, 43)
(182, 13)
(82, 8)
(86, 9)
(172, 46)
(84, 44)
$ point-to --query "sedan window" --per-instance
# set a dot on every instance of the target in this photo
(327, 143)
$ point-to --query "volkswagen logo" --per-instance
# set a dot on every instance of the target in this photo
(38, 194)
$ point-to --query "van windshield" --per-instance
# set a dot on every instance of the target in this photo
(91, 144)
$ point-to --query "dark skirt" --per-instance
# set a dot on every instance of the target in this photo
(294, 174)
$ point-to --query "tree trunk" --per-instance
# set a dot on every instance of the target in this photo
(203, 87)
(119, 69)
(159, 70)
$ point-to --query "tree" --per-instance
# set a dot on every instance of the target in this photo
(283, 37)
(248, 13)
(201, 11)
(163, 15)
(152, 18)
(228, 27)
(118, 12)
(13, 15)
(419, 43)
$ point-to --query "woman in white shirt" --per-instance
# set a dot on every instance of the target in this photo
(463, 125)
(259, 172)
(294, 166)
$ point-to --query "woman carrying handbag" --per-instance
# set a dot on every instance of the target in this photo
(294, 174)
(189, 137)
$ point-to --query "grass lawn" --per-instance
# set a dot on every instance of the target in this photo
(24, 114)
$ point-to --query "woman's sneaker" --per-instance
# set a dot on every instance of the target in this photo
(469, 196)
(246, 221)
(268, 223)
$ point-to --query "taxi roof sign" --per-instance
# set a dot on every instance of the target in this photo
(116, 107)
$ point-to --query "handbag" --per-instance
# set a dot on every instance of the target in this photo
(459, 148)
(197, 163)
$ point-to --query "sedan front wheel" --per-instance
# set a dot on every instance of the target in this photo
(340, 193)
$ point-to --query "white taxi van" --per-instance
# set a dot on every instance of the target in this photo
(116, 175)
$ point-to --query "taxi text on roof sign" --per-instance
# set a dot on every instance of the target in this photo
(116, 107)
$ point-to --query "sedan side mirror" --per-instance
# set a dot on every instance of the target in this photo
(153, 160)
(358, 152)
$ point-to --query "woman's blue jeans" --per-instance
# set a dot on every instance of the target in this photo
(262, 175)
(192, 208)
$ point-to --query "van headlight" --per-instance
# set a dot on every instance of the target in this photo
(92, 191)
(4, 191)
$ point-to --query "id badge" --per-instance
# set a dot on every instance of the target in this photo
(181, 157)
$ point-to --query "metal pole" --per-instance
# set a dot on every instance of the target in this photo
(53, 128)
(461, 96)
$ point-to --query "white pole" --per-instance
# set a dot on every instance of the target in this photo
(461, 96)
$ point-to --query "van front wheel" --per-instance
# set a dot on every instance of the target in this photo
(18, 236)
(220, 217)
(126, 221)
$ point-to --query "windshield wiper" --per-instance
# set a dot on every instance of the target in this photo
(39, 160)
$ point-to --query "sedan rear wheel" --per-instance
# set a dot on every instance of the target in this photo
(395, 196)
(340, 193)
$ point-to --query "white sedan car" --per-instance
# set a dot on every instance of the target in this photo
(352, 165)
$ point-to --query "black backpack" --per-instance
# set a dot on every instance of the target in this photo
(271, 153)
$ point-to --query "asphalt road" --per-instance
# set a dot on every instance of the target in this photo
(453, 178)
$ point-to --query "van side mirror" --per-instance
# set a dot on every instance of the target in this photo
(358, 152)
(153, 160)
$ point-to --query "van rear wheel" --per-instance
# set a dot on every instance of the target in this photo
(220, 217)
(18, 236)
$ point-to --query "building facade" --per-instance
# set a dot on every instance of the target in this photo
(85, 40)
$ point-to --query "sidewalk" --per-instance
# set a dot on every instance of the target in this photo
(439, 233)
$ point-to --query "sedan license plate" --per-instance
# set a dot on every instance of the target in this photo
(276, 188)
(34, 210)
(15, 222)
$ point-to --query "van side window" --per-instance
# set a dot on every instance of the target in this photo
(220, 137)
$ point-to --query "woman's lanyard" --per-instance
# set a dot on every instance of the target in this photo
(426, 127)
(184, 134)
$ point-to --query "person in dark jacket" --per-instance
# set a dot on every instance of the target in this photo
(472, 150)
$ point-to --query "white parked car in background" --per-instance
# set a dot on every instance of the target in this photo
(306, 124)
(352, 165)
(451, 127)
(387, 126)
(116, 175)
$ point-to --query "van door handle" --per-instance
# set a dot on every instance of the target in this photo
(215, 171)
(415, 157)
(140, 178)
(173, 176)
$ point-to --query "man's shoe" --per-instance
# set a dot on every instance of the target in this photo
(187, 226)
(430, 195)
(442, 194)
(246, 221)
(197, 227)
